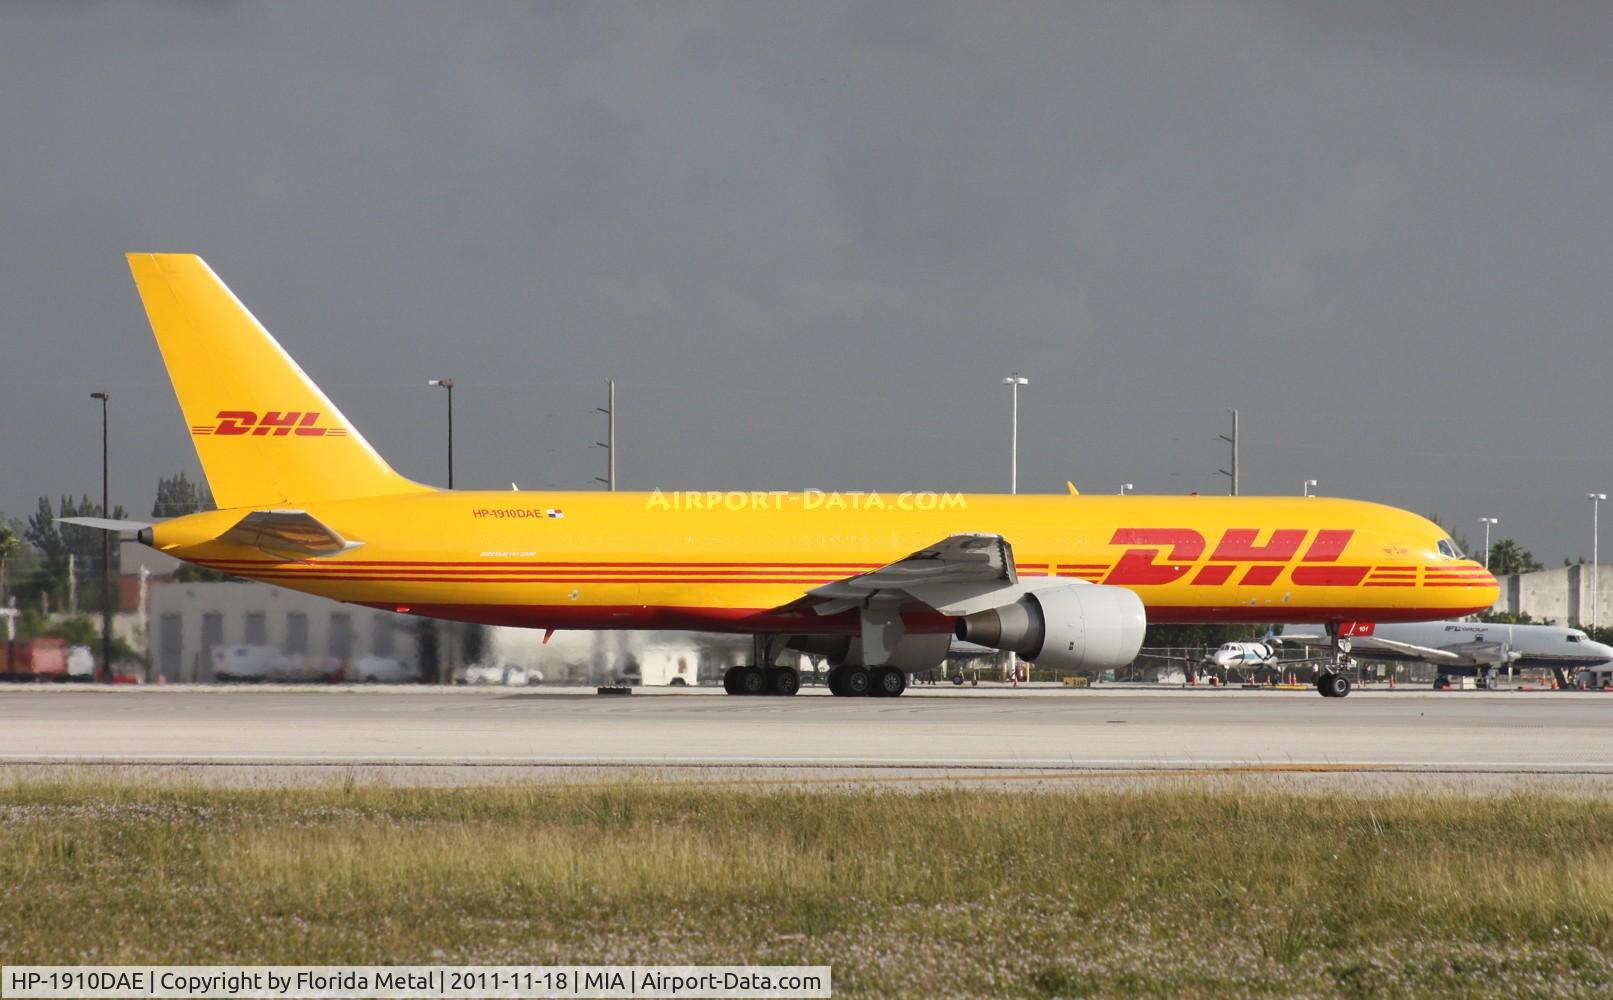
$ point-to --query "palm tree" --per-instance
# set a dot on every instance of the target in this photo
(1507, 558)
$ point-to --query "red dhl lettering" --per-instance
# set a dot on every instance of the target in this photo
(1159, 556)
(275, 423)
(1138, 567)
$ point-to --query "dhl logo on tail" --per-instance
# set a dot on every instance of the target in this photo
(273, 422)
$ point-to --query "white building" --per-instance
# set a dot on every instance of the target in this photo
(195, 625)
(1561, 595)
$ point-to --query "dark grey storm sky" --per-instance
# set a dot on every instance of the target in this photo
(809, 239)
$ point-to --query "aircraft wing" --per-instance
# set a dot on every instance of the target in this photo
(294, 534)
(958, 575)
(1405, 648)
(1317, 637)
(954, 569)
(1487, 652)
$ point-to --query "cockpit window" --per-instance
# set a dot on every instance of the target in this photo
(1575, 637)
(1448, 549)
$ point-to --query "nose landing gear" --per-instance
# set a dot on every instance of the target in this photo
(1332, 680)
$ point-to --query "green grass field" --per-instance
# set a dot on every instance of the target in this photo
(1168, 889)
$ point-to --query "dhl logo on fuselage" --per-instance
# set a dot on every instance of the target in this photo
(279, 423)
(1159, 556)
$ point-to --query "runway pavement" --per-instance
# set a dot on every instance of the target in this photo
(979, 733)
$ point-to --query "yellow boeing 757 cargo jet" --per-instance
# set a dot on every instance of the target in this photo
(880, 583)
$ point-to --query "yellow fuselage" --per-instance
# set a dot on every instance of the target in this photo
(742, 561)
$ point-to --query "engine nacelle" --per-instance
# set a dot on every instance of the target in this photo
(1069, 628)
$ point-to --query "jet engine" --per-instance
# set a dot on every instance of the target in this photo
(1069, 628)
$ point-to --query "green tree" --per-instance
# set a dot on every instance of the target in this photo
(1507, 618)
(10, 545)
(178, 496)
(55, 543)
(1508, 557)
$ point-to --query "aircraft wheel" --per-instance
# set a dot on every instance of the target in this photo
(858, 682)
(1333, 685)
(957, 679)
(730, 680)
(889, 682)
(783, 680)
(752, 680)
(837, 681)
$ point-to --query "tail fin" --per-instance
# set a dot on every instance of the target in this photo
(264, 431)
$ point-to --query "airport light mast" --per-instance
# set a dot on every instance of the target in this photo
(448, 383)
(1310, 487)
(106, 554)
(1487, 522)
(1014, 381)
(1596, 542)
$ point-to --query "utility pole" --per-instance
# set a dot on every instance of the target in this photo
(448, 383)
(1232, 474)
(609, 444)
(106, 552)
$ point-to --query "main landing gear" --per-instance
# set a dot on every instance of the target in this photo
(848, 680)
(845, 681)
(761, 680)
(851, 681)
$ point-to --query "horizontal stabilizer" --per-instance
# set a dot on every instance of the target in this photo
(290, 533)
(104, 523)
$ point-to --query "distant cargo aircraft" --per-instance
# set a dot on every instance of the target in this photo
(878, 582)
(1464, 647)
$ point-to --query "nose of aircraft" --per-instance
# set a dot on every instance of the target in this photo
(1599, 649)
(1469, 587)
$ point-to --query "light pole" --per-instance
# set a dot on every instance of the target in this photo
(448, 383)
(1310, 486)
(1596, 542)
(1014, 381)
(106, 553)
(1126, 488)
(1487, 522)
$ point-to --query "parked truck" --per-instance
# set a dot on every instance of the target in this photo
(34, 660)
